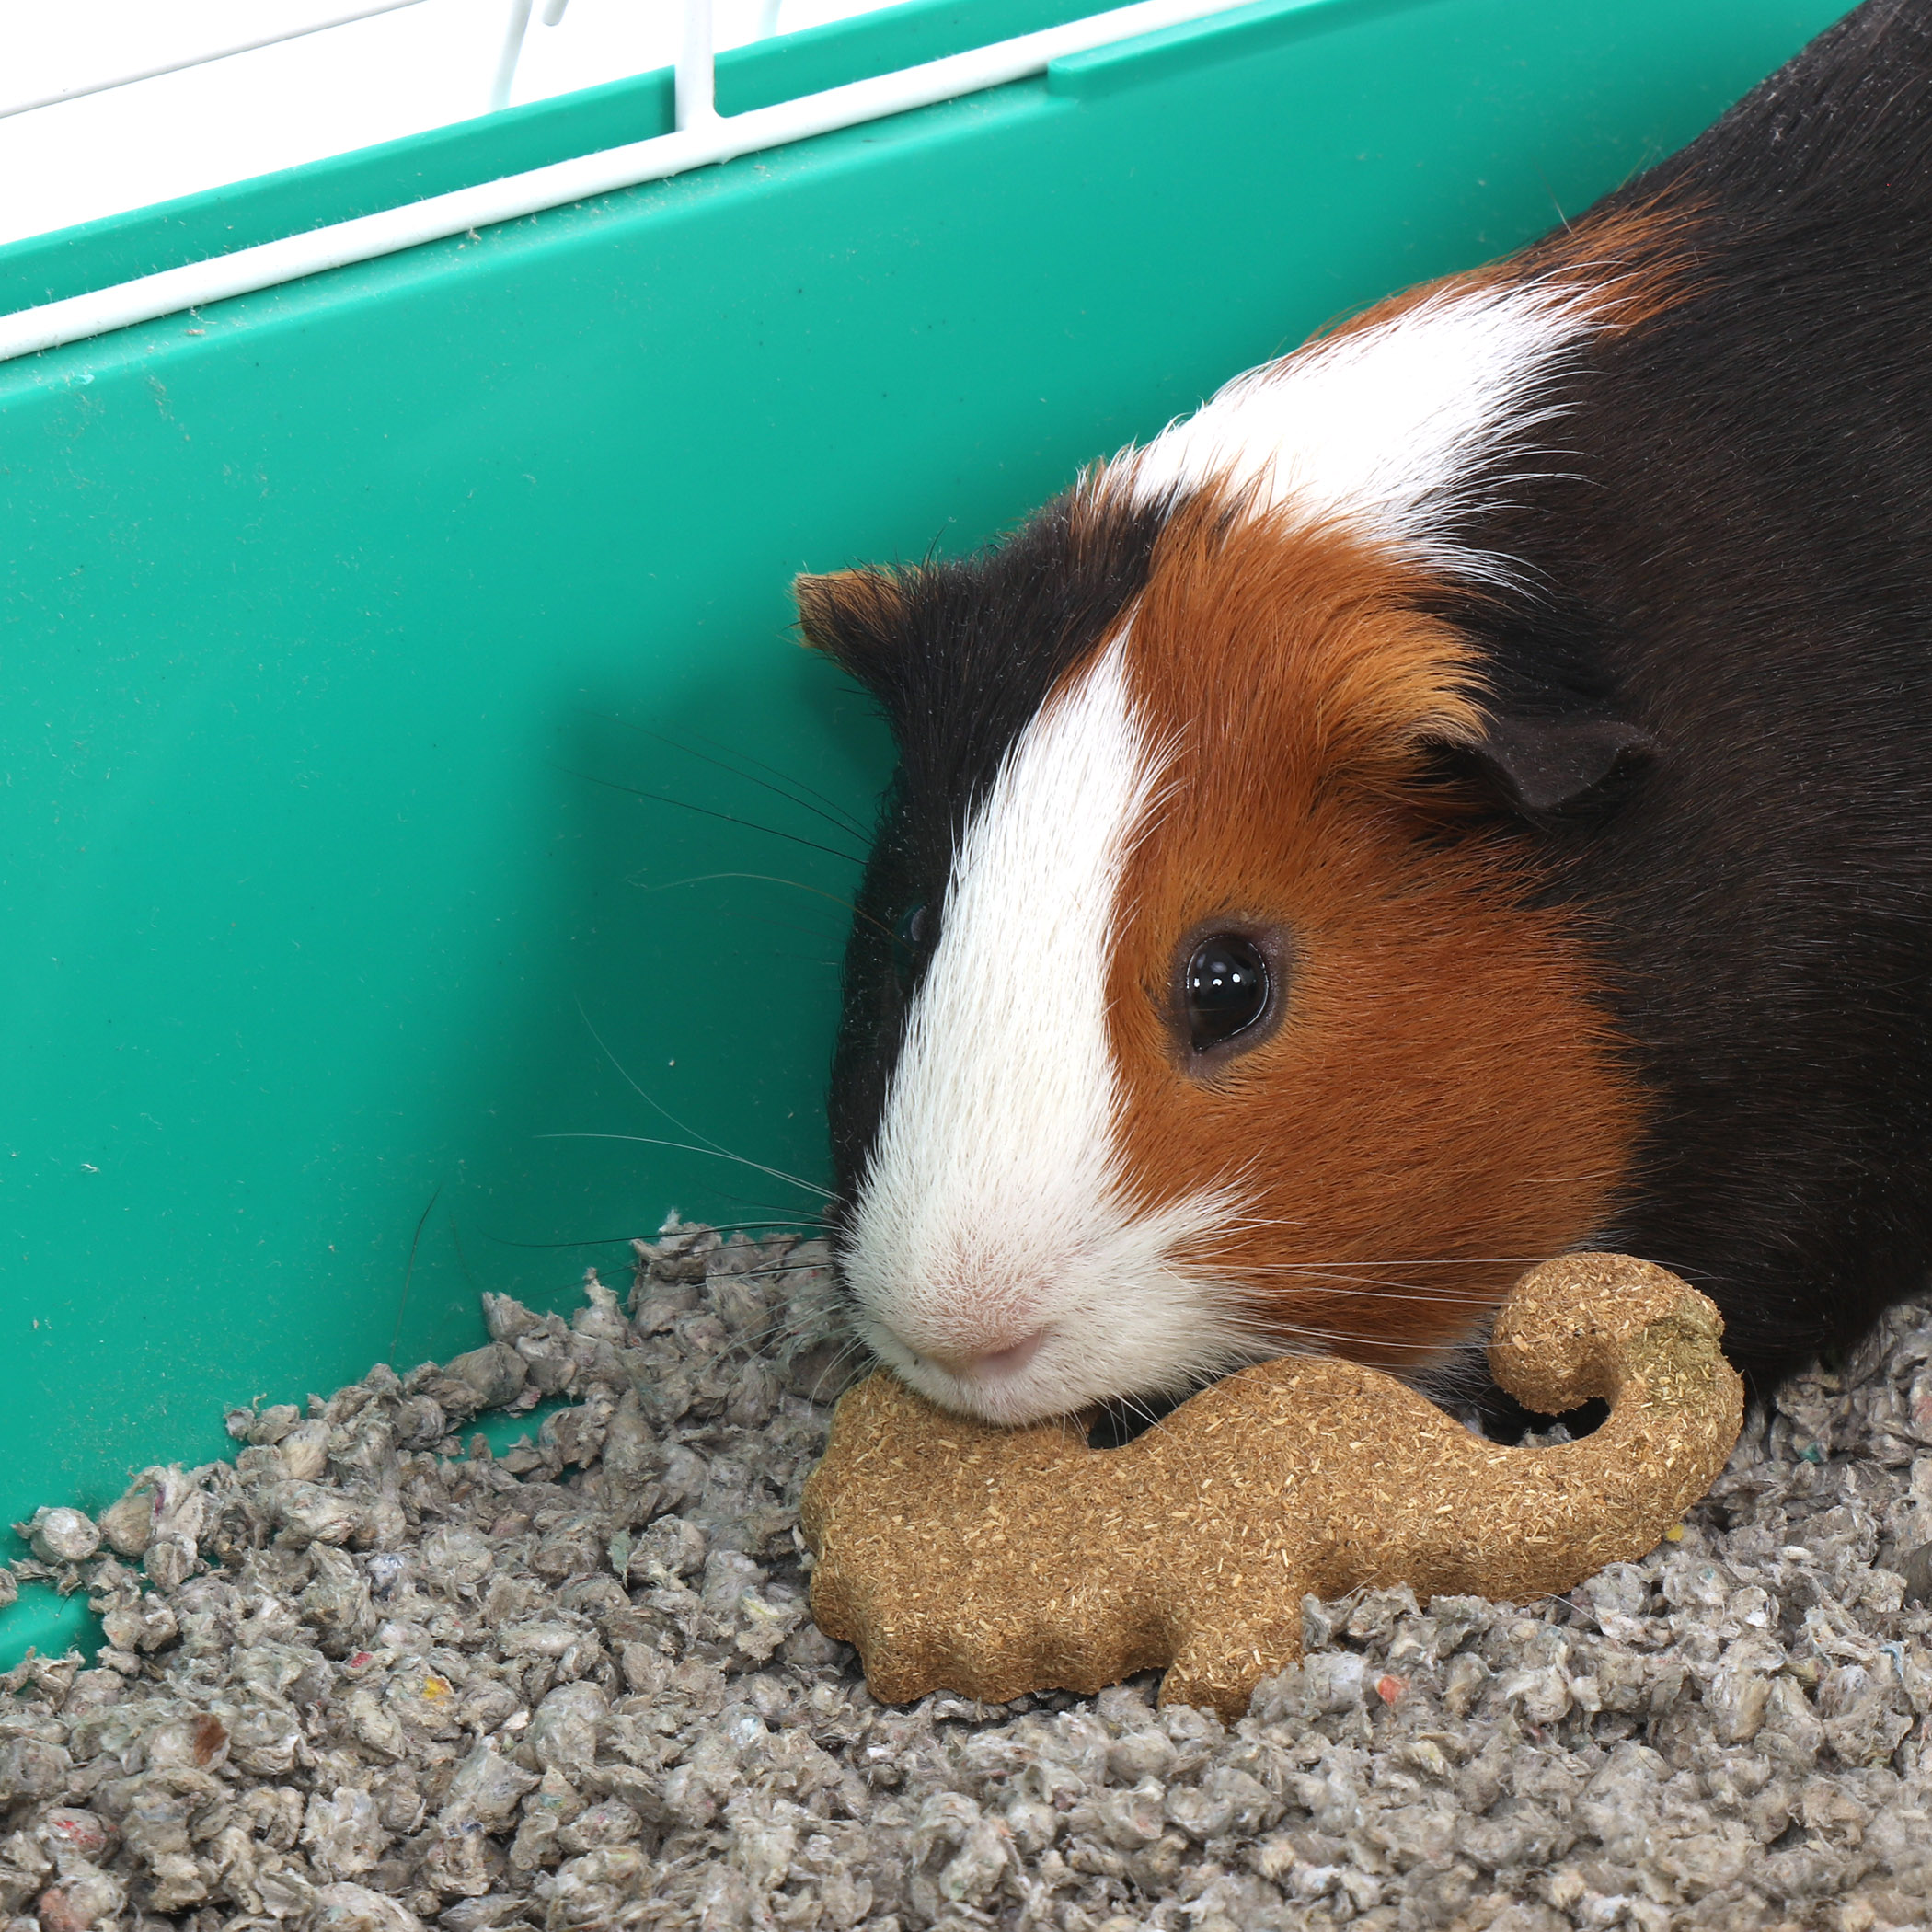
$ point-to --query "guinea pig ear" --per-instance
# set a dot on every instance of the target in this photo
(1547, 766)
(856, 617)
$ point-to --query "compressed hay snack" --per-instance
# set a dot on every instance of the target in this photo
(992, 1561)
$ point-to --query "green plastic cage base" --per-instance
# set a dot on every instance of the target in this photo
(366, 642)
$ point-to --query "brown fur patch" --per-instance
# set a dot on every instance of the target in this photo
(1643, 258)
(1639, 262)
(852, 616)
(1440, 1103)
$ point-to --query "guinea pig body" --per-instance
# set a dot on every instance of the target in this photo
(1461, 796)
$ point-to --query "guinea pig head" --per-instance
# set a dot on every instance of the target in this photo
(1193, 1015)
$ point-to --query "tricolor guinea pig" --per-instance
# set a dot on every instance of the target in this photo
(1465, 794)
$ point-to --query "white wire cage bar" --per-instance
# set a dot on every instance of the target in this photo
(698, 66)
(504, 77)
(518, 26)
(702, 138)
(202, 57)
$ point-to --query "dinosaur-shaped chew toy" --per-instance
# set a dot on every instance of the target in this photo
(992, 1561)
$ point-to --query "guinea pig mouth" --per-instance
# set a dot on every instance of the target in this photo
(1003, 1362)
(995, 1366)
(992, 1384)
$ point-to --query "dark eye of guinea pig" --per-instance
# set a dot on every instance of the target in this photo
(1224, 989)
(911, 941)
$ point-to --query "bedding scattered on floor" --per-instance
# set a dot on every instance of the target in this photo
(372, 1681)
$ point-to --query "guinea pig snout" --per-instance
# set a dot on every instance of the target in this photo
(971, 1346)
(978, 1362)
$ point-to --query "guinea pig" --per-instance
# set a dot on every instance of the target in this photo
(1462, 795)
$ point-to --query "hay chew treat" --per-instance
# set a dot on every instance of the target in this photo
(994, 1562)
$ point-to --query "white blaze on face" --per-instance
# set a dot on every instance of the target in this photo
(991, 1208)
(1388, 428)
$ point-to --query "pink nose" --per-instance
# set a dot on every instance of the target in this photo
(989, 1366)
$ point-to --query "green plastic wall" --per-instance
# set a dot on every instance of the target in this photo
(376, 900)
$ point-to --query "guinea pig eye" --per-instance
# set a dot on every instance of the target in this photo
(1224, 988)
(911, 941)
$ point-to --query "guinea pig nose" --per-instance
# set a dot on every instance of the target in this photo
(991, 1364)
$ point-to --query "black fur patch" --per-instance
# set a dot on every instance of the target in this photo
(1737, 564)
(961, 656)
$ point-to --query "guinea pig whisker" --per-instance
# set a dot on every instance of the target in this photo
(1349, 1265)
(1139, 1415)
(826, 808)
(788, 1322)
(1256, 1223)
(851, 818)
(772, 879)
(1304, 1331)
(754, 1342)
(645, 1140)
(1367, 1307)
(592, 1241)
(649, 1101)
(779, 1329)
(1382, 1290)
(778, 1219)
(1354, 1287)
(786, 1221)
(1271, 1332)
(656, 798)
(836, 1365)
(772, 1268)
(1350, 1270)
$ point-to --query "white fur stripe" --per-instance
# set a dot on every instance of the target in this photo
(991, 1207)
(1388, 428)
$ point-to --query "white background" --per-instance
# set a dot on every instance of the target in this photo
(373, 80)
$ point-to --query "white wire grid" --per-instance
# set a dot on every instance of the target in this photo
(503, 77)
(107, 106)
(702, 136)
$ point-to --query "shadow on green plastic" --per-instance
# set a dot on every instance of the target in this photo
(46, 1622)
(503, 1431)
